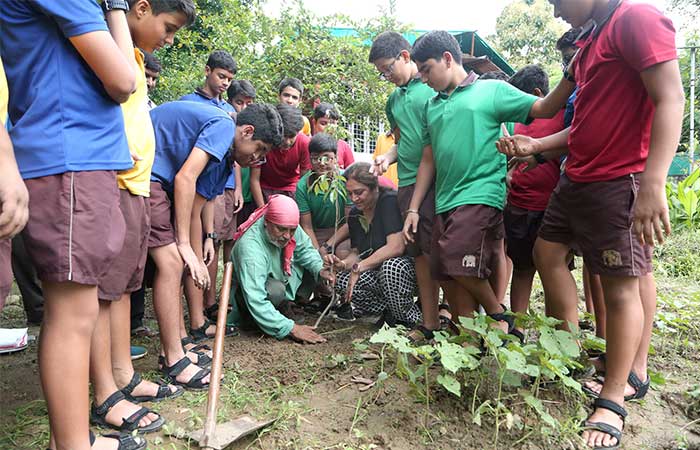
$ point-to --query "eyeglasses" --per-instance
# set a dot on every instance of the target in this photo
(322, 159)
(386, 73)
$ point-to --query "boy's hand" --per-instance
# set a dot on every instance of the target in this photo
(306, 335)
(516, 161)
(650, 214)
(518, 145)
(410, 226)
(14, 204)
(380, 165)
(208, 251)
(198, 271)
(237, 200)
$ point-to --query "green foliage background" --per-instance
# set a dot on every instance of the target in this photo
(268, 49)
(527, 33)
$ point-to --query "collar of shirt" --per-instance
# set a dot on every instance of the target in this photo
(200, 91)
(404, 88)
(592, 29)
(468, 81)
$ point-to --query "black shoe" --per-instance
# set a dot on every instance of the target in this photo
(344, 312)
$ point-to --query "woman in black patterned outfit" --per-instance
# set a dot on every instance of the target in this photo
(376, 278)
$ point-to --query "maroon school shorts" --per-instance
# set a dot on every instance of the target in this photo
(521, 227)
(426, 213)
(466, 242)
(5, 270)
(224, 215)
(596, 218)
(126, 273)
(75, 229)
(162, 223)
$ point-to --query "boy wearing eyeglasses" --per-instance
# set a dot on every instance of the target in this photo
(391, 55)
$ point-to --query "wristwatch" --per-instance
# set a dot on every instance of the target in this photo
(539, 157)
(327, 247)
(110, 5)
(213, 236)
(356, 268)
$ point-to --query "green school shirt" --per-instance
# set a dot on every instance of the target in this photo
(322, 209)
(255, 259)
(463, 128)
(404, 110)
(245, 184)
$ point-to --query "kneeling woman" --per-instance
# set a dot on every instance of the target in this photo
(376, 278)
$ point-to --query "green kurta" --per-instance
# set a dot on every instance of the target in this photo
(255, 259)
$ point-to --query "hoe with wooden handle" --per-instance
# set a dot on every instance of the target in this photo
(219, 436)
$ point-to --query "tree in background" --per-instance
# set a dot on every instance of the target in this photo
(526, 33)
(267, 49)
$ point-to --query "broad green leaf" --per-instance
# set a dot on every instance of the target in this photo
(450, 383)
(454, 357)
(537, 405)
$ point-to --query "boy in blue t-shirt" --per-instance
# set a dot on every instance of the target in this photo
(228, 207)
(219, 73)
(60, 57)
(196, 146)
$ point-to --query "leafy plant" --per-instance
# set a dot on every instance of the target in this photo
(482, 359)
(684, 202)
(330, 184)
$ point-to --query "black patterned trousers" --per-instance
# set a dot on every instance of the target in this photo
(389, 287)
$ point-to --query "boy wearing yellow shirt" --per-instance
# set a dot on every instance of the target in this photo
(117, 388)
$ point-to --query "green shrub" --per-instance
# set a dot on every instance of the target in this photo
(679, 256)
(684, 202)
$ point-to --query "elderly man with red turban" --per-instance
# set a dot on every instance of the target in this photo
(270, 255)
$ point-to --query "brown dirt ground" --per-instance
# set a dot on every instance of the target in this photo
(317, 407)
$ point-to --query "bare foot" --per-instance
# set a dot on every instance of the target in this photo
(596, 438)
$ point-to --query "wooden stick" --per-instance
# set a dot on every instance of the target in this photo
(216, 365)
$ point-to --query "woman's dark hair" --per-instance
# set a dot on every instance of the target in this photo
(359, 172)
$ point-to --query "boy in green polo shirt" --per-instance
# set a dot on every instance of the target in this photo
(460, 127)
(391, 55)
(317, 211)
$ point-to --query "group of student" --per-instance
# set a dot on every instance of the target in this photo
(108, 183)
(616, 117)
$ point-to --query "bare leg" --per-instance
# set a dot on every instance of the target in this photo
(70, 312)
(101, 370)
(587, 294)
(520, 290)
(560, 293)
(427, 293)
(210, 294)
(166, 300)
(626, 313)
(500, 276)
(481, 291)
(122, 367)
